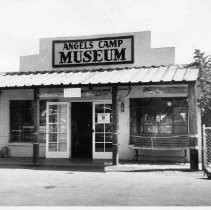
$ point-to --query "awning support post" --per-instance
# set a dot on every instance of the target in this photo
(193, 129)
(36, 108)
(115, 154)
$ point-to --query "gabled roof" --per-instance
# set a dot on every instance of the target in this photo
(138, 75)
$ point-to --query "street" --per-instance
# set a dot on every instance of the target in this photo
(37, 187)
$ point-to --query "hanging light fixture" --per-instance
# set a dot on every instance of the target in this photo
(122, 106)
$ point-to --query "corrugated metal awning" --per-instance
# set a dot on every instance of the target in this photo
(164, 74)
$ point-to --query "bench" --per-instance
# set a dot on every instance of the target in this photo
(167, 143)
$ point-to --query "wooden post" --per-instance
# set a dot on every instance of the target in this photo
(36, 108)
(193, 128)
(115, 155)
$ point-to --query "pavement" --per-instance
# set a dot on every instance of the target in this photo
(40, 186)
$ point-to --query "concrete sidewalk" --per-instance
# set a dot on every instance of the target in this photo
(84, 164)
(35, 187)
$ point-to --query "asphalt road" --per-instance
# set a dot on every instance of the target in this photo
(27, 187)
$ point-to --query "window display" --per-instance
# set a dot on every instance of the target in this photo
(158, 116)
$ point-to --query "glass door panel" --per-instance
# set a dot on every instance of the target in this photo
(57, 135)
(102, 126)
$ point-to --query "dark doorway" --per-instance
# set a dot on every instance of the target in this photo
(81, 130)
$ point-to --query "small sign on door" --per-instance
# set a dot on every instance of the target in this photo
(103, 118)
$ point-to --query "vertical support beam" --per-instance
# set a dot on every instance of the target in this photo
(193, 129)
(115, 155)
(36, 120)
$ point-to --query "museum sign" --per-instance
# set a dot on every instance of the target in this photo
(100, 51)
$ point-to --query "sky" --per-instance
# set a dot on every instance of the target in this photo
(183, 24)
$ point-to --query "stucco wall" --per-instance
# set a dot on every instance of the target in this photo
(144, 55)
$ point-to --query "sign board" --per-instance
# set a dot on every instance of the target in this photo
(99, 51)
(103, 118)
(72, 92)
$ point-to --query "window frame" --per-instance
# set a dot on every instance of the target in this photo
(20, 137)
(142, 107)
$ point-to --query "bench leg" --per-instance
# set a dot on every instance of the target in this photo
(136, 155)
(185, 155)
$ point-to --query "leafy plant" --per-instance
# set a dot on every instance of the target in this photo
(203, 62)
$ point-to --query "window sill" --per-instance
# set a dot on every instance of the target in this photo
(23, 144)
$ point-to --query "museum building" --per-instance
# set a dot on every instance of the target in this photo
(101, 97)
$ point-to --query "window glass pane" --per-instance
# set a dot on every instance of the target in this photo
(108, 147)
(180, 115)
(150, 117)
(108, 108)
(42, 113)
(99, 127)
(53, 128)
(157, 116)
(166, 129)
(108, 137)
(52, 137)
(53, 109)
(21, 121)
(27, 133)
(99, 108)
(52, 147)
(62, 138)
(108, 127)
(62, 147)
(53, 119)
(151, 129)
(62, 128)
(181, 102)
(136, 128)
(62, 114)
(99, 147)
(180, 129)
(99, 137)
(42, 134)
(42, 137)
(166, 116)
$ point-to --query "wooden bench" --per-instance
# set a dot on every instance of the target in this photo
(168, 143)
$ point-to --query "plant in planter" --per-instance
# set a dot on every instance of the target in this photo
(4, 152)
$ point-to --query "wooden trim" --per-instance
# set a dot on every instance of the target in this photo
(36, 109)
(115, 157)
(36, 121)
(192, 108)
(98, 85)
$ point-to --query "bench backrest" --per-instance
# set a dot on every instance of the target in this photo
(162, 142)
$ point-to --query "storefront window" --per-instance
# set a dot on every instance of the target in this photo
(21, 121)
(158, 116)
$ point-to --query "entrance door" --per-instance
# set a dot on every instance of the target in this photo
(81, 129)
(57, 135)
(102, 126)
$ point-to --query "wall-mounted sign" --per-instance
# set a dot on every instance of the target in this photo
(100, 51)
(175, 90)
(103, 118)
(72, 92)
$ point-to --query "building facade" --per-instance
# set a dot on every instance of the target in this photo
(97, 95)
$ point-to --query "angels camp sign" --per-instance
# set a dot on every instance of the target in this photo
(100, 51)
